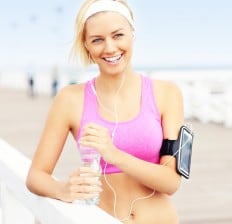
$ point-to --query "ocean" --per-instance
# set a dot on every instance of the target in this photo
(207, 92)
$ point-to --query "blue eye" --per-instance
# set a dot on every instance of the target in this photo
(118, 35)
(97, 40)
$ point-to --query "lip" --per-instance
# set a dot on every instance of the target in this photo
(113, 60)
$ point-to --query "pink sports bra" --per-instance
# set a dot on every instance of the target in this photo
(141, 136)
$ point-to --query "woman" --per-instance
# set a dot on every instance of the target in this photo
(121, 114)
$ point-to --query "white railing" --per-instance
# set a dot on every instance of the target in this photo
(18, 205)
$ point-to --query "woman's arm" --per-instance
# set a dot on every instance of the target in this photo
(50, 146)
(63, 117)
(161, 177)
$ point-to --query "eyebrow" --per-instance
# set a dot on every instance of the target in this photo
(96, 36)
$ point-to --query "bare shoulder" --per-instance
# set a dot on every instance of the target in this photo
(70, 92)
(68, 105)
(166, 87)
(166, 93)
(70, 98)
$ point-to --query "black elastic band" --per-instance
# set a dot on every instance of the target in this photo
(167, 147)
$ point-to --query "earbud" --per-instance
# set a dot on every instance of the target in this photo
(93, 88)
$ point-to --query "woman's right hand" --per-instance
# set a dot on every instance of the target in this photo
(82, 184)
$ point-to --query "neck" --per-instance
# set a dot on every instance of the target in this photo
(111, 83)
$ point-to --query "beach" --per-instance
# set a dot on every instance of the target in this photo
(205, 198)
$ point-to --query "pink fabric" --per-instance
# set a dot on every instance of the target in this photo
(141, 137)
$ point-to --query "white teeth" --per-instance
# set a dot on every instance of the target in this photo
(113, 58)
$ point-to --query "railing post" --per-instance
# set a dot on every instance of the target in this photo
(12, 209)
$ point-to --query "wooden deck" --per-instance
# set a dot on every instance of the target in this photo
(207, 196)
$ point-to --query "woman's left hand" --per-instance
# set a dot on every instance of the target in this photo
(98, 137)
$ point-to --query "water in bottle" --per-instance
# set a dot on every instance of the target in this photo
(90, 158)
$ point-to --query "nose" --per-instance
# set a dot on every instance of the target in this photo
(110, 46)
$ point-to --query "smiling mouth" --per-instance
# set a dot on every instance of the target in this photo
(113, 59)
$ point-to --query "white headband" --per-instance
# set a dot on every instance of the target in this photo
(109, 5)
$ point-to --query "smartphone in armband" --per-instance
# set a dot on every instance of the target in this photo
(183, 148)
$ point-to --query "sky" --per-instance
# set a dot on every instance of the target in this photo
(176, 33)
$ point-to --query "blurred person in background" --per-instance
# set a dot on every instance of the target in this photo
(55, 83)
(31, 84)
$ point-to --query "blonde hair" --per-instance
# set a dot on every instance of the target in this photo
(78, 49)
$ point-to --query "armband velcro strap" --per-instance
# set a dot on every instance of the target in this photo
(168, 147)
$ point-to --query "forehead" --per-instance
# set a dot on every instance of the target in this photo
(104, 22)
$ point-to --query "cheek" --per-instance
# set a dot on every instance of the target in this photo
(128, 47)
(127, 44)
(95, 51)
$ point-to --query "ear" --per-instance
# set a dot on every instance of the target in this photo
(133, 35)
(86, 46)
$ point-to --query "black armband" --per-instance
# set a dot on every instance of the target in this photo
(167, 147)
(181, 149)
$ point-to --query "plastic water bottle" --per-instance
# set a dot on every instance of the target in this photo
(90, 158)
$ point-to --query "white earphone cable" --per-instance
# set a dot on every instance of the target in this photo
(115, 112)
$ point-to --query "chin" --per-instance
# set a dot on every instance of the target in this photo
(114, 70)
